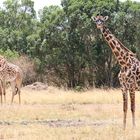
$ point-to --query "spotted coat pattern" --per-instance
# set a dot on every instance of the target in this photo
(10, 73)
(129, 75)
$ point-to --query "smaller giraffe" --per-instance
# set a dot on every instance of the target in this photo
(13, 74)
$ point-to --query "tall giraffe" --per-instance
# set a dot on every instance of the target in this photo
(10, 73)
(129, 75)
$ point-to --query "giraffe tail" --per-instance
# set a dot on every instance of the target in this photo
(16, 90)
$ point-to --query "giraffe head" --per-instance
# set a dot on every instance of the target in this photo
(99, 20)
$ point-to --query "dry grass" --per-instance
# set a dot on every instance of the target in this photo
(56, 114)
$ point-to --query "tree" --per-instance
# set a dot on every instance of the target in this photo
(63, 41)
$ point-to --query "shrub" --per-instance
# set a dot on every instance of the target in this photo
(28, 67)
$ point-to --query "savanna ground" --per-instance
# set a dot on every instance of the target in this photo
(56, 114)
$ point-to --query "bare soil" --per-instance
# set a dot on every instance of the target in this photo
(64, 122)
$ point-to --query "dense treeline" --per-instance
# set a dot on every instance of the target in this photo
(63, 41)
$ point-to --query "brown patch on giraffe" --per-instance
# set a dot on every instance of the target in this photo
(130, 61)
(129, 74)
(105, 34)
(122, 53)
(127, 58)
(127, 78)
(127, 54)
(110, 36)
(137, 72)
(123, 83)
(124, 58)
(111, 45)
(118, 48)
(129, 81)
(134, 68)
(128, 65)
(114, 42)
(119, 58)
(125, 68)
(122, 62)
(131, 54)
(137, 63)
(107, 38)
(116, 53)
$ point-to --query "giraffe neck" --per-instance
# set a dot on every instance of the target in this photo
(124, 56)
(3, 63)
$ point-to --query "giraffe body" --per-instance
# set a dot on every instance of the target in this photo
(129, 75)
(13, 74)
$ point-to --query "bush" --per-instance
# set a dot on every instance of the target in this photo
(28, 67)
(10, 55)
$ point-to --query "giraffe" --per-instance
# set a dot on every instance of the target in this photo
(10, 73)
(129, 75)
(3, 64)
(13, 74)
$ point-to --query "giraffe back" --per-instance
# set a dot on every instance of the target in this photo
(12, 72)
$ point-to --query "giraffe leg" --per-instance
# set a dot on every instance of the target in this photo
(13, 90)
(19, 96)
(4, 91)
(132, 98)
(1, 90)
(1, 98)
(12, 98)
(125, 106)
(4, 98)
(18, 92)
(18, 85)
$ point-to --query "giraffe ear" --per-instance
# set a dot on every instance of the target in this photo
(93, 18)
(105, 18)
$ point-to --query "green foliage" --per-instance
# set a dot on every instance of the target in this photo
(64, 42)
(10, 55)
